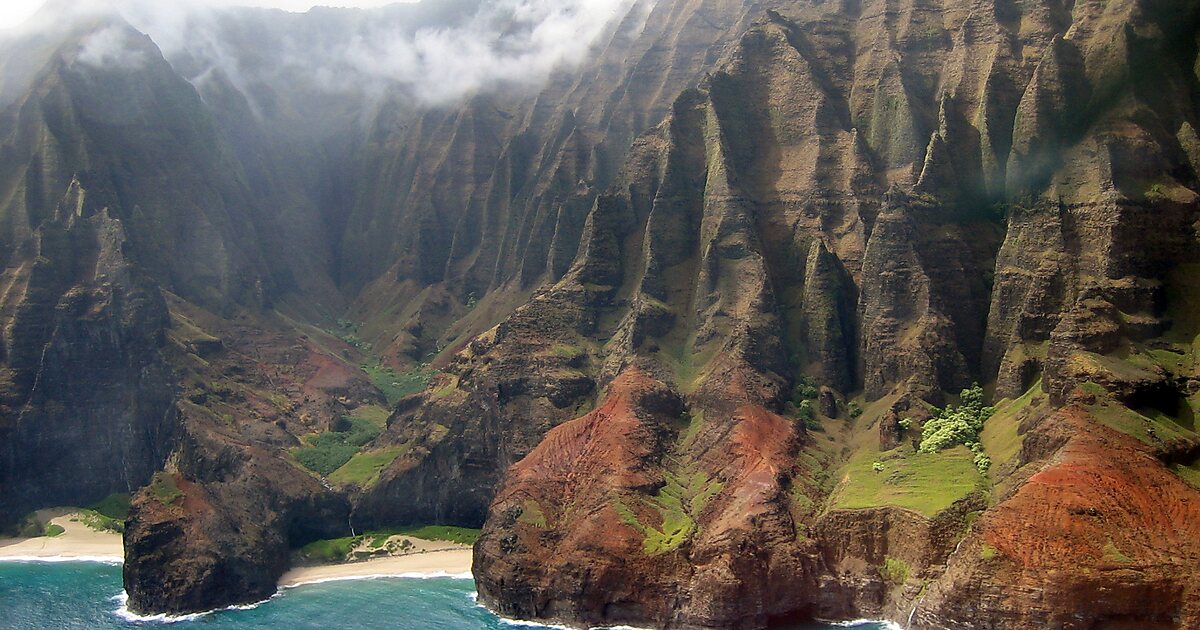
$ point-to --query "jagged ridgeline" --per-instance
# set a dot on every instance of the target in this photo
(692, 329)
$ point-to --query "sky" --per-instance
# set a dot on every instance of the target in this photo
(14, 12)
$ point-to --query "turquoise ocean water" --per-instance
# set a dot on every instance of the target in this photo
(79, 595)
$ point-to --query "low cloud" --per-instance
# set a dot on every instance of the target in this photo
(110, 47)
(440, 52)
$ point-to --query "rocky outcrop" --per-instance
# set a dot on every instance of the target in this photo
(222, 527)
(667, 520)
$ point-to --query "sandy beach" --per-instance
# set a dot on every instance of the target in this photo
(446, 562)
(79, 542)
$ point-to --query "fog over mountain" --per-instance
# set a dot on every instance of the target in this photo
(438, 52)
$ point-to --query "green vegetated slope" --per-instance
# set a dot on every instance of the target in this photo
(342, 455)
(329, 451)
(375, 543)
(926, 483)
(363, 468)
(929, 482)
(928, 471)
(396, 385)
(679, 504)
(1000, 435)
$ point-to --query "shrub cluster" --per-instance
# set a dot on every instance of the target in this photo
(894, 571)
(960, 424)
(806, 389)
(801, 407)
(331, 450)
(164, 488)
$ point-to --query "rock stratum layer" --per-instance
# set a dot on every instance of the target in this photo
(675, 322)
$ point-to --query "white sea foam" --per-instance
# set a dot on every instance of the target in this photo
(125, 613)
(114, 560)
(891, 625)
(519, 623)
(534, 624)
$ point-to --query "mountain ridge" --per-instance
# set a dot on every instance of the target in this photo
(682, 317)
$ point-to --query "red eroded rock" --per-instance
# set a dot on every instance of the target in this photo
(1103, 523)
(620, 517)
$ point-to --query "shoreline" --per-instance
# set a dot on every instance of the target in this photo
(451, 562)
(80, 543)
(77, 542)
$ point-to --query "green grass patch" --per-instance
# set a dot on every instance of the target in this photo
(164, 489)
(694, 422)
(396, 386)
(446, 533)
(926, 483)
(567, 352)
(1000, 437)
(324, 460)
(987, 552)
(894, 571)
(329, 451)
(343, 549)
(444, 391)
(332, 550)
(532, 514)
(99, 522)
(363, 469)
(374, 414)
(114, 506)
(1190, 474)
(687, 366)
(53, 530)
(1151, 430)
(679, 503)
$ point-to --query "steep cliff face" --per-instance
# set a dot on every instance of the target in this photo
(683, 313)
(80, 319)
(136, 331)
(138, 135)
(1021, 139)
(491, 197)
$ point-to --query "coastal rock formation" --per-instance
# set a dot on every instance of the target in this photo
(222, 527)
(626, 471)
(669, 327)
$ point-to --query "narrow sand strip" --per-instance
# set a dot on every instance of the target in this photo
(455, 561)
(78, 541)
